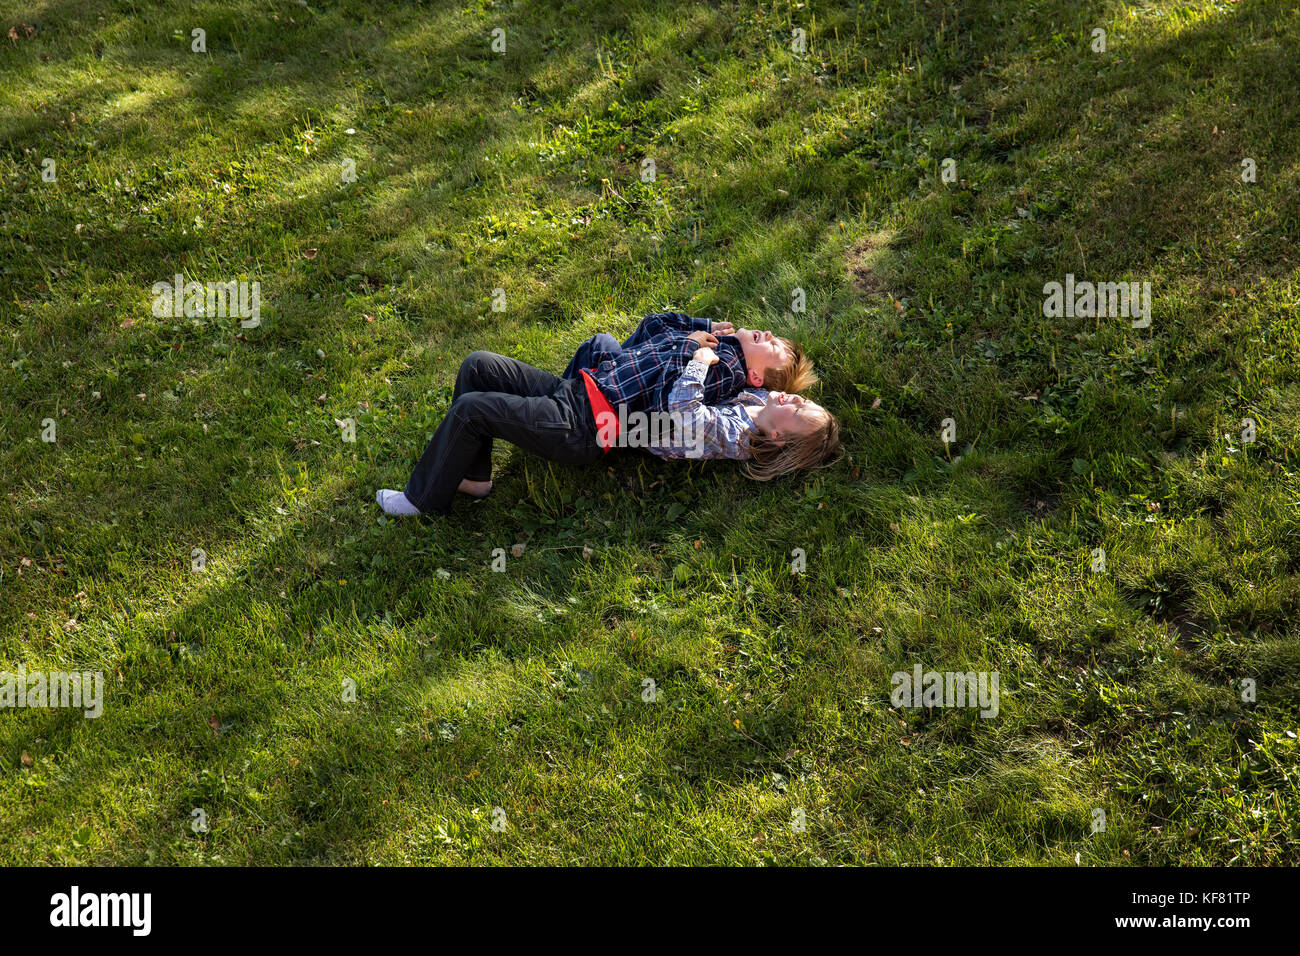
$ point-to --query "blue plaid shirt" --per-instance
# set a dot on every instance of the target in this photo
(643, 375)
(714, 431)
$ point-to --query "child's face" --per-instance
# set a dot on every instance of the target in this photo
(763, 351)
(786, 414)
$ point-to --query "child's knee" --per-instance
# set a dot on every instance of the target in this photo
(470, 368)
(474, 360)
(466, 406)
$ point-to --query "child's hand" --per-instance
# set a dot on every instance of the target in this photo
(705, 355)
(722, 328)
(704, 338)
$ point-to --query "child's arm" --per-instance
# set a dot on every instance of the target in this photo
(728, 379)
(707, 431)
(652, 325)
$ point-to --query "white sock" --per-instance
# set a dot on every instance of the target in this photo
(395, 502)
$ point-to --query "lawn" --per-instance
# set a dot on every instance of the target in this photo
(652, 662)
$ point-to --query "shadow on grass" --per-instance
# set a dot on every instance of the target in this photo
(336, 792)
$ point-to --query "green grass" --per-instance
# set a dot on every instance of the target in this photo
(522, 690)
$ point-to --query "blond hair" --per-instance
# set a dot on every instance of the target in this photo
(799, 452)
(795, 375)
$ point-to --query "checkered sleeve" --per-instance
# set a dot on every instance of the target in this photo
(703, 431)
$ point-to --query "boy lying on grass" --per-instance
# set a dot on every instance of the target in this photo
(694, 370)
(745, 356)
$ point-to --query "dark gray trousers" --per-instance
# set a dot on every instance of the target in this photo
(501, 397)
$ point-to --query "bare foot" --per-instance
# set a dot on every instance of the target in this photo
(478, 489)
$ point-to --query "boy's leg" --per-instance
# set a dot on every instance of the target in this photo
(585, 356)
(545, 425)
(489, 372)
